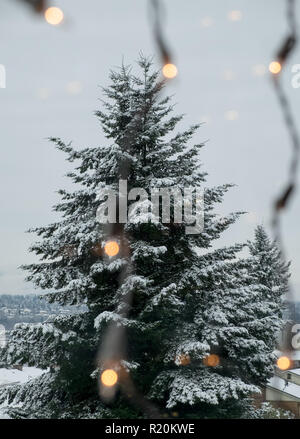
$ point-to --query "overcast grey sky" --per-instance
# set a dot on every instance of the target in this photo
(53, 78)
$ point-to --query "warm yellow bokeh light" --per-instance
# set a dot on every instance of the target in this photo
(275, 67)
(111, 248)
(43, 93)
(109, 378)
(284, 363)
(169, 71)
(228, 75)
(54, 15)
(211, 360)
(231, 115)
(206, 22)
(74, 87)
(235, 15)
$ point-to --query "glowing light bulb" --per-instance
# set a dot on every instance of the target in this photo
(231, 115)
(109, 378)
(54, 16)
(228, 75)
(169, 71)
(111, 248)
(235, 15)
(206, 22)
(43, 93)
(74, 87)
(275, 67)
(211, 360)
(284, 363)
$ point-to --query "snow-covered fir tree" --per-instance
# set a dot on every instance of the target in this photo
(269, 270)
(193, 343)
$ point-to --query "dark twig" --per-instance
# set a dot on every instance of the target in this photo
(157, 13)
(37, 5)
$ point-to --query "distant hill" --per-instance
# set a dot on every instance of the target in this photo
(29, 309)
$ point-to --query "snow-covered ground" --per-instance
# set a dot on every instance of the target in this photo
(15, 376)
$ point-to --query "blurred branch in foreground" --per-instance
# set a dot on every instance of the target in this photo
(38, 6)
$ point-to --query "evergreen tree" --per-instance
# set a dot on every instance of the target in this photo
(193, 346)
(269, 271)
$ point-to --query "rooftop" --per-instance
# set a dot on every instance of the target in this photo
(285, 386)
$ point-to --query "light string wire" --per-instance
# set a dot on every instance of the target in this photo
(112, 352)
(156, 14)
(284, 197)
(113, 347)
(115, 340)
(37, 5)
(285, 51)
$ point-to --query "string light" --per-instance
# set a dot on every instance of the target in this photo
(54, 16)
(211, 360)
(169, 71)
(74, 87)
(43, 93)
(285, 50)
(109, 378)
(206, 22)
(228, 75)
(284, 363)
(111, 248)
(231, 115)
(275, 67)
(235, 15)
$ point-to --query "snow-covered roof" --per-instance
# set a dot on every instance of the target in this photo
(295, 371)
(12, 376)
(284, 386)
